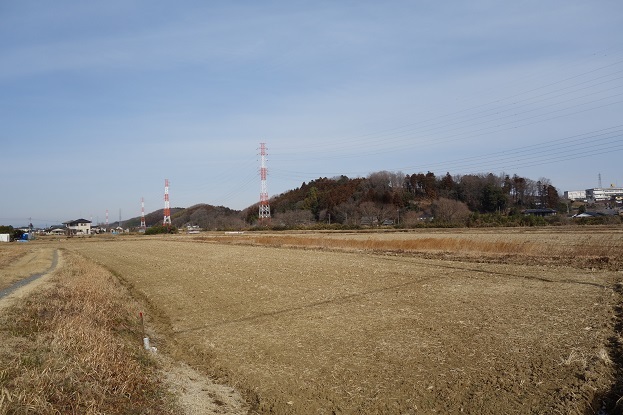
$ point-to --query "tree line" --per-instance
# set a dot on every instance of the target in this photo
(408, 198)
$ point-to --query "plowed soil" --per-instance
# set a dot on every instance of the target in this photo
(323, 331)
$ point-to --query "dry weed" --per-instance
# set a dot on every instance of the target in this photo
(599, 248)
(575, 358)
(11, 252)
(603, 356)
(79, 350)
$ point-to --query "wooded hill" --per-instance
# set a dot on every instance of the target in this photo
(406, 199)
(203, 215)
(381, 198)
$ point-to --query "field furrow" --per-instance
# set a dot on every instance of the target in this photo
(311, 331)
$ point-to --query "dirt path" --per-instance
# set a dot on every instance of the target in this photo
(198, 394)
(24, 286)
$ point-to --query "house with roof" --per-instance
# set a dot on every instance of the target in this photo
(597, 214)
(539, 212)
(78, 227)
(56, 231)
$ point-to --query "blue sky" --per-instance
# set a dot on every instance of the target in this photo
(100, 102)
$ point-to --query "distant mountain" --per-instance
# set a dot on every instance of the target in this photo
(208, 217)
(203, 215)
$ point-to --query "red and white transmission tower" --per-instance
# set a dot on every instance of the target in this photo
(264, 206)
(143, 213)
(167, 206)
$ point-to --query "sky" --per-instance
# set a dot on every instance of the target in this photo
(100, 102)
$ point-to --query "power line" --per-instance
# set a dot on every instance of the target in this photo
(586, 144)
(446, 119)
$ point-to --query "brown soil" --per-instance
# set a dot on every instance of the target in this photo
(309, 331)
(196, 392)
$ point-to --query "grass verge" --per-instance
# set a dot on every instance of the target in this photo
(75, 348)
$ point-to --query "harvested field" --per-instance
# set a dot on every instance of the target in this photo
(594, 247)
(325, 331)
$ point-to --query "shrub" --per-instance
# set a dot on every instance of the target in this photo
(158, 229)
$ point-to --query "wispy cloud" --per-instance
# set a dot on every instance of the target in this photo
(157, 89)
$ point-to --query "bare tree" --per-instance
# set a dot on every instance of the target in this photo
(370, 211)
(396, 179)
(410, 217)
(347, 213)
(450, 211)
(380, 179)
(294, 217)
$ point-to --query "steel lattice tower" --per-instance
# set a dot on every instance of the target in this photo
(264, 214)
(106, 218)
(167, 206)
(143, 213)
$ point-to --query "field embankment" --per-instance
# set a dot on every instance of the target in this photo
(322, 331)
(585, 247)
(73, 347)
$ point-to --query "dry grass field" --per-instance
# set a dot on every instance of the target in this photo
(70, 346)
(600, 247)
(483, 322)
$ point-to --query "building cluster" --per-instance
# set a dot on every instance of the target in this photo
(597, 194)
(607, 201)
(78, 227)
(81, 227)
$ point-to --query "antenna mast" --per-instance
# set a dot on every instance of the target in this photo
(143, 213)
(167, 206)
(264, 213)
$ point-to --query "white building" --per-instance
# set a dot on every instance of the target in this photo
(607, 193)
(79, 227)
(575, 195)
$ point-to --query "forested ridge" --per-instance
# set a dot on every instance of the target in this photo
(402, 198)
(388, 199)
(381, 198)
